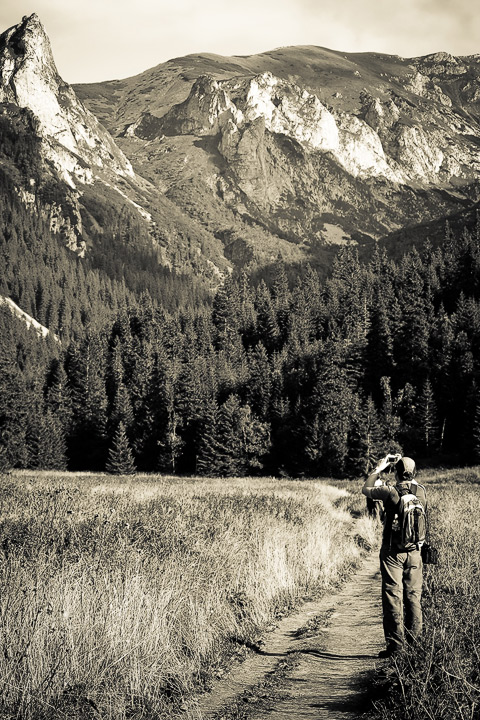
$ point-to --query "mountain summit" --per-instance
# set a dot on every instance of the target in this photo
(233, 161)
(311, 145)
(73, 138)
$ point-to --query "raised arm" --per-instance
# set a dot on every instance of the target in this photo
(374, 481)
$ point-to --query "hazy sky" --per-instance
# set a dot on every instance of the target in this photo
(106, 39)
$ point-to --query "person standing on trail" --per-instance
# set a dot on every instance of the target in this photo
(404, 504)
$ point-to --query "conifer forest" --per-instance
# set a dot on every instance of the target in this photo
(292, 374)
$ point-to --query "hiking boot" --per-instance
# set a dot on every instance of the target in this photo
(389, 651)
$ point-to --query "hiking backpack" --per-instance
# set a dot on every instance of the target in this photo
(410, 523)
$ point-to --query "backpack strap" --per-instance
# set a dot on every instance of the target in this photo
(416, 528)
(392, 516)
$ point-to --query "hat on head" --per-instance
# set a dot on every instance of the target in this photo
(406, 468)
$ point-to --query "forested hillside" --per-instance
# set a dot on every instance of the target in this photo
(302, 377)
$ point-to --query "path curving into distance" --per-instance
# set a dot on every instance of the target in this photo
(326, 683)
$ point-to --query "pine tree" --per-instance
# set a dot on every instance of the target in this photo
(47, 444)
(120, 459)
(259, 385)
(330, 402)
(476, 435)
(86, 373)
(365, 443)
(426, 418)
(206, 461)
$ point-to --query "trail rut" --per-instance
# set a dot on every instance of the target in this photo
(326, 683)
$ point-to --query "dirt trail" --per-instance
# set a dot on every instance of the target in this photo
(326, 683)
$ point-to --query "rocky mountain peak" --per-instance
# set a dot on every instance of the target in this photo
(27, 43)
(278, 152)
(300, 137)
(27, 67)
(73, 139)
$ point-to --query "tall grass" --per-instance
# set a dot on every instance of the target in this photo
(439, 678)
(118, 596)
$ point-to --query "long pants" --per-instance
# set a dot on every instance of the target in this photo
(402, 579)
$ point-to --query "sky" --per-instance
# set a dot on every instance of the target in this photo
(95, 40)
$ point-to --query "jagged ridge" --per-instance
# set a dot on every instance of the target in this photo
(311, 144)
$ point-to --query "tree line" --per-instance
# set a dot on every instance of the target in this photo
(309, 377)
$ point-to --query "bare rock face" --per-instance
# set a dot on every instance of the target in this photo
(73, 139)
(285, 155)
(230, 108)
(284, 151)
(388, 140)
(74, 148)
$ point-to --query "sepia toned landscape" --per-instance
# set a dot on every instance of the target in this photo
(233, 287)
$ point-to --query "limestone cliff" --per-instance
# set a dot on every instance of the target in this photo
(73, 139)
(238, 159)
(73, 171)
(301, 160)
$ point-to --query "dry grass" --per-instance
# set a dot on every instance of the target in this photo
(120, 595)
(440, 678)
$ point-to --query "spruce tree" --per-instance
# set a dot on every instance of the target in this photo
(389, 414)
(227, 440)
(120, 459)
(234, 441)
(259, 385)
(365, 443)
(86, 373)
(281, 298)
(14, 398)
(476, 435)
(170, 440)
(330, 402)
(411, 340)
(267, 325)
(47, 445)
(120, 407)
(255, 437)
(57, 395)
(206, 460)
(426, 418)
(379, 351)
(226, 314)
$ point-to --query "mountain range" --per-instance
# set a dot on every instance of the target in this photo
(223, 162)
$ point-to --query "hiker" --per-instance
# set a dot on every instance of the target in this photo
(400, 556)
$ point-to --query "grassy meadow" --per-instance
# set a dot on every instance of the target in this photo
(123, 597)
(439, 679)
